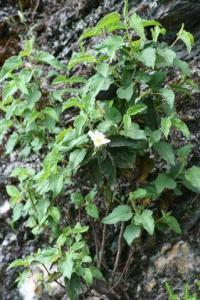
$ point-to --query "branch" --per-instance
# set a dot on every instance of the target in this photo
(125, 270)
(60, 284)
(119, 248)
(36, 7)
(102, 245)
(96, 242)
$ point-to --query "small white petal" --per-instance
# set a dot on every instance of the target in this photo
(106, 141)
(91, 134)
(98, 138)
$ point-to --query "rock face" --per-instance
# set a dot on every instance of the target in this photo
(174, 12)
(69, 20)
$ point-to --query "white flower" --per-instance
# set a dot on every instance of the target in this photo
(98, 138)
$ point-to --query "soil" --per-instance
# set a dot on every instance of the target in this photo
(156, 260)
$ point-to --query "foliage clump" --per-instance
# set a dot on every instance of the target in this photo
(118, 142)
(187, 295)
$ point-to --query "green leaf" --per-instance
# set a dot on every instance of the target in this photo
(42, 208)
(12, 142)
(59, 79)
(49, 59)
(148, 57)
(90, 32)
(103, 69)
(80, 122)
(131, 232)
(12, 190)
(32, 117)
(119, 141)
(150, 23)
(80, 58)
(77, 199)
(136, 109)
(76, 157)
(137, 24)
(72, 102)
(73, 287)
(108, 169)
(4, 126)
(9, 89)
(171, 222)
(18, 263)
(14, 193)
(163, 181)
(181, 126)
(153, 136)
(124, 158)
(165, 126)
(51, 112)
(146, 220)
(108, 20)
(92, 210)
(96, 273)
(166, 152)
(22, 173)
(168, 55)
(17, 212)
(120, 213)
(57, 184)
(133, 131)
(55, 214)
(184, 151)
(186, 37)
(105, 126)
(33, 96)
(169, 96)
(66, 266)
(12, 63)
(157, 80)
(110, 45)
(156, 31)
(91, 195)
(138, 194)
(21, 84)
(95, 172)
(125, 92)
(108, 23)
(192, 175)
(183, 66)
(88, 276)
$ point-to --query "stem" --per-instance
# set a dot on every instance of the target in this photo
(36, 7)
(119, 248)
(60, 284)
(128, 261)
(32, 202)
(102, 245)
(125, 9)
(126, 19)
(125, 270)
(79, 216)
(176, 40)
(96, 242)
